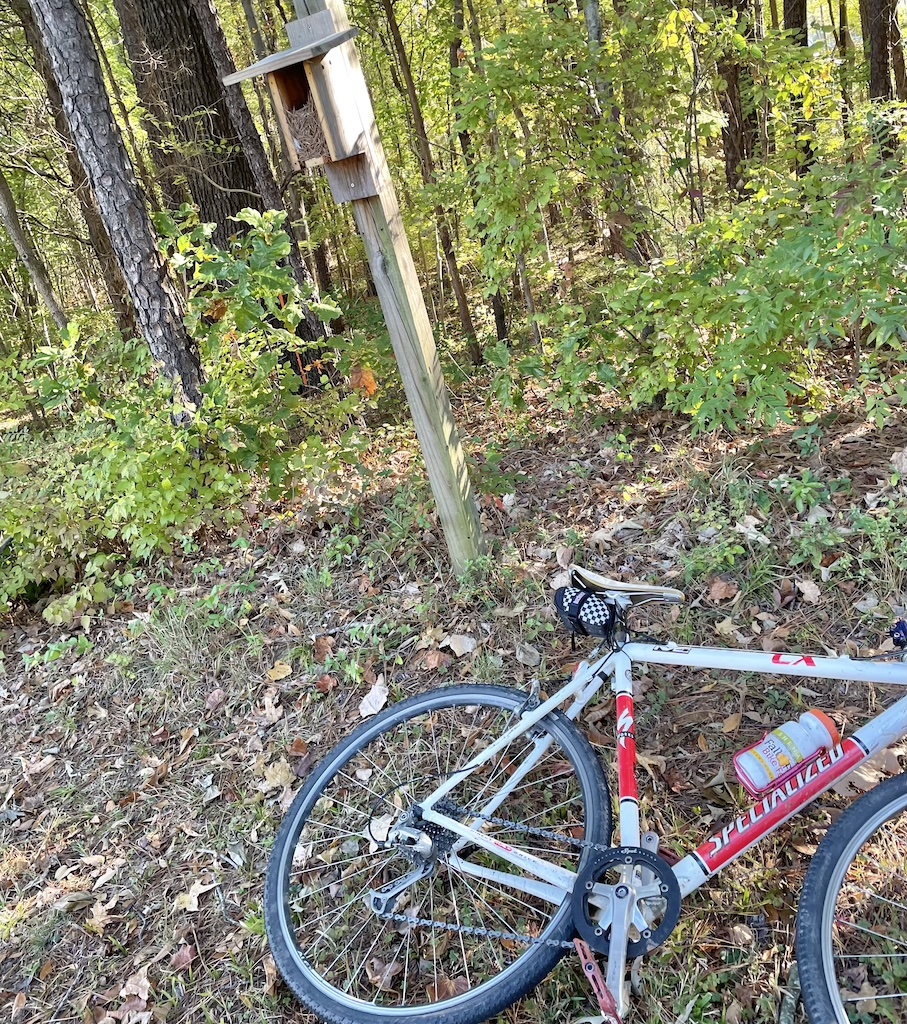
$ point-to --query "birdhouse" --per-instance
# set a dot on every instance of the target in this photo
(322, 101)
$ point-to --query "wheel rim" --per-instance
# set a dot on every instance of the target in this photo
(866, 967)
(336, 859)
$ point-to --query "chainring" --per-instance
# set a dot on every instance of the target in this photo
(615, 860)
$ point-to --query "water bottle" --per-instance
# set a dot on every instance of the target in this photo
(781, 752)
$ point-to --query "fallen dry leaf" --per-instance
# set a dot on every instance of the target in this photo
(324, 645)
(325, 684)
(298, 748)
(722, 590)
(382, 974)
(433, 660)
(362, 379)
(732, 722)
(189, 901)
(278, 775)
(183, 957)
(280, 670)
(527, 655)
(809, 591)
(215, 698)
(375, 699)
(460, 644)
(137, 985)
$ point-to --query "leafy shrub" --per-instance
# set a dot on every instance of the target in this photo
(801, 287)
(119, 480)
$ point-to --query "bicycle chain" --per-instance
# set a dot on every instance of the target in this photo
(489, 933)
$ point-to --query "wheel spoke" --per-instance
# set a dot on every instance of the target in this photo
(349, 955)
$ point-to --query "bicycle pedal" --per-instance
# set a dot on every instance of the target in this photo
(606, 1001)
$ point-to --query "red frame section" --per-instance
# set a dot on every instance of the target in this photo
(780, 804)
(626, 748)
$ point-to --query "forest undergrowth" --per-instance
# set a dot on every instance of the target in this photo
(148, 753)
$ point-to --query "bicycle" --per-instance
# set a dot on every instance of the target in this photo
(444, 856)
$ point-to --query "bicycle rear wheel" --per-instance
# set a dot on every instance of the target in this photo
(852, 922)
(350, 965)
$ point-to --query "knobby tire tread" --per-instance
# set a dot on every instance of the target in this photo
(811, 943)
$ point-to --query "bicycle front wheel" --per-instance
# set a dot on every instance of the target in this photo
(852, 922)
(431, 956)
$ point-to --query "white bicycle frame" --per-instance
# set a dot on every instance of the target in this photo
(554, 883)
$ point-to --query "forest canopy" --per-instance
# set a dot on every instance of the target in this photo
(698, 206)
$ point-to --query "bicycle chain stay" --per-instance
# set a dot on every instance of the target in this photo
(489, 933)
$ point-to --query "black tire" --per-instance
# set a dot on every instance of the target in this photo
(392, 971)
(852, 922)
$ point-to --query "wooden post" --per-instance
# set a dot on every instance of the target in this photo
(357, 171)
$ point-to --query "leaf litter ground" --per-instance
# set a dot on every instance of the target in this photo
(148, 755)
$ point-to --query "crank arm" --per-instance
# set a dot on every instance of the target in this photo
(623, 903)
(383, 900)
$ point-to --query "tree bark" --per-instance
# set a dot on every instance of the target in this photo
(116, 95)
(175, 70)
(28, 254)
(804, 145)
(897, 56)
(456, 48)
(880, 50)
(97, 233)
(429, 177)
(247, 134)
(741, 129)
(100, 146)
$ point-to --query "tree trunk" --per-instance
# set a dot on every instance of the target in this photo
(103, 155)
(247, 134)
(741, 128)
(156, 115)
(804, 144)
(880, 50)
(176, 71)
(28, 254)
(97, 233)
(844, 46)
(427, 169)
(116, 94)
(897, 56)
(456, 48)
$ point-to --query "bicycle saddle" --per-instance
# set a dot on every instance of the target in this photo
(586, 579)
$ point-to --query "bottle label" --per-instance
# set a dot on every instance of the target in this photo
(777, 753)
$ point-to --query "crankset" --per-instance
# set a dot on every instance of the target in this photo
(626, 872)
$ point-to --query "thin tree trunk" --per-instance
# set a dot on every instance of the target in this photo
(897, 56)
(24, 246)
(100, 146)
(739, 131)
(427, 169)
(528, 299)
(843, 45)
(456, 48)
(773, 10)
(880, 50)
(97, 233)
(804, 145)
(298, 194)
